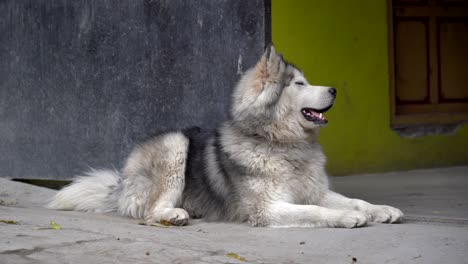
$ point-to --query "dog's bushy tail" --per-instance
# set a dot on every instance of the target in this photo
(96, 191)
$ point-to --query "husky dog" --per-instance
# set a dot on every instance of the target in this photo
(263, 166)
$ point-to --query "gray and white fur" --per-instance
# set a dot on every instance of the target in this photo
(263, 166)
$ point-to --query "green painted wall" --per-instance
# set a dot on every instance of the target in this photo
(344, 44)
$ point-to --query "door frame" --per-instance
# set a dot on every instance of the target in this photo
(405, 120)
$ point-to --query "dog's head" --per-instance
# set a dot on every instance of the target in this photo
(274, 99)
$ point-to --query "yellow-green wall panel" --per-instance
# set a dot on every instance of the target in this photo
(344, 44)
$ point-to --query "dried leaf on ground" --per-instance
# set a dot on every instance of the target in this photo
(162, 224)
(165, 223)
(234, 255)
(159, 225)
(104, 251)
(10, 222)
(54, 225)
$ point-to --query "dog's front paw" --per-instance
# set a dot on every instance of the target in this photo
(384, 214)
(350, 219)
(175, 216)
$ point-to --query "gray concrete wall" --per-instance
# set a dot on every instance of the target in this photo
(82, 81)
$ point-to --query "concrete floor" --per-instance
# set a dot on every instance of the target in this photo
(436, 230)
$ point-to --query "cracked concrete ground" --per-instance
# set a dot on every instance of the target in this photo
(436, 230)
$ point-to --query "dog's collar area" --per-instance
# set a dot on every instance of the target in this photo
(313, 115)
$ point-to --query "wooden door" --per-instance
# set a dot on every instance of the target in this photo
(429, 61)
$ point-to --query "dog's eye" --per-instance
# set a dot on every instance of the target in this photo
(299, 83)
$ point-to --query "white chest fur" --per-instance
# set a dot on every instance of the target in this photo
(292, 173)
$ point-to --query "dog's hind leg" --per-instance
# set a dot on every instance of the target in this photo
(162, 162)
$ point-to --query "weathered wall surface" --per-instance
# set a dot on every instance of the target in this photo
(82, 81)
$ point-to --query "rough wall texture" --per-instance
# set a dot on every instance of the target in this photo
(82, 81)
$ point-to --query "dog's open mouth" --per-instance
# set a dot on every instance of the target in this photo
(315, 115)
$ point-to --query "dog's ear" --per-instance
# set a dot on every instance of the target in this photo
(262, 63)
(268, 49)
(271, 64)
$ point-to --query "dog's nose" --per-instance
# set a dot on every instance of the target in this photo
(332, 91)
